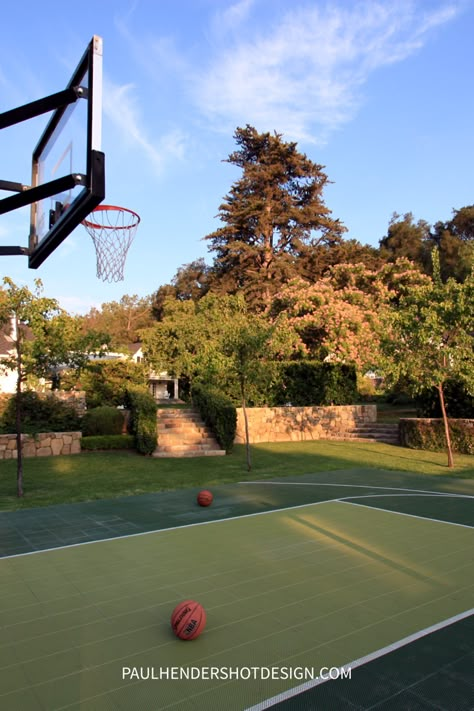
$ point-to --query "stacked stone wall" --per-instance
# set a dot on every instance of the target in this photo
(45, 444)
(294, 424)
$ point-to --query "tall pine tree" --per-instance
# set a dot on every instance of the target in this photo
(274, 215)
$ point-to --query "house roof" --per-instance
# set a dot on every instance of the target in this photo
(134, 347)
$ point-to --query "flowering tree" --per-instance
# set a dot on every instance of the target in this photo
(342, 316)
(338, 324)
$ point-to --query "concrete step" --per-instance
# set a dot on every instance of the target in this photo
(178, 426)
(375, 427)
(165, 440)
(182, 433)
(189, 453)
(346, 438)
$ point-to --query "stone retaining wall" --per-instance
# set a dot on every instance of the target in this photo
(294, 424)
(44, 444)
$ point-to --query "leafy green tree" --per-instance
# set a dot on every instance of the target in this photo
(184, 341)
(192, 341)
(248, 347)
(462, 223)
(454, 240)
(429, 338)
(273, 215)
(317, 262)
(43, 338)
(106, 382)
(191, 282)
(122, 320)
(407, 239)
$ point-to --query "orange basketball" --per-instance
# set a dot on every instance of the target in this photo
(205, 498)
(188, 619)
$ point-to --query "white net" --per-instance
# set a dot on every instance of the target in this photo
(112, 230)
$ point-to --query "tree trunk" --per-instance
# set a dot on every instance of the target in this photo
(19, 447)
(246, 424)
(446, 425)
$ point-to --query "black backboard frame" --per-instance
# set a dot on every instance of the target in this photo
(92, 182)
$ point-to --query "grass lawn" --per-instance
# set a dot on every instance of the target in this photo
(389, 413)
(100, 475)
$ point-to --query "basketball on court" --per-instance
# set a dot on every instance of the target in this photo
(205, 498)
(188, 620)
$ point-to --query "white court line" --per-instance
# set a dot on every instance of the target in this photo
(312, 683)
(171, 528)
(356, 486)
(257, 513)
(399, 513)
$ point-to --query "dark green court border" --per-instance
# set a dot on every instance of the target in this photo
(43, 528)
(434, 673)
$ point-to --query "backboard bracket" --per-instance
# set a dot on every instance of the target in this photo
(41, 106)
(62, 192)
(28, 195)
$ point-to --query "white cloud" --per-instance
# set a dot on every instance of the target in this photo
(304, 74)
(232, 17)
(128, 119)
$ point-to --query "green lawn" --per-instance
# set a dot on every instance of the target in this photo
(100, 475)
(389, 413)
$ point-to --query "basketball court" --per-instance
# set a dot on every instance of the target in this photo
(315, 572)
(298, 576)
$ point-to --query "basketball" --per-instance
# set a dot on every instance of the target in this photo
(188, 619)
(205, 498)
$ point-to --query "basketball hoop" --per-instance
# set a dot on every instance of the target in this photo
(112, 230)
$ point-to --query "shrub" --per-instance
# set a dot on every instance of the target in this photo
(142, 423)
(103, 420)
(366, 387)
(428, 434)
(91, 444)
(40, 413)
(458, 401)
(218, 412)
(106, 383)
(305, 383)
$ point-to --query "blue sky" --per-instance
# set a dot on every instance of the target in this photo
(379, 92)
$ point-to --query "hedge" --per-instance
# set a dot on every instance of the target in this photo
(102, 420)
(39, 413)
(98, 442)
(142, 423)
(218, 412)
(306, 383)
(459, 403)
(429, 434)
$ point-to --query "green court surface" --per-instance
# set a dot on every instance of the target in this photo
(296, 575)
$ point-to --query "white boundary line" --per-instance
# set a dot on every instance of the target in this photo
(262, 513)
(356, 486)
(312, 683)
(171, 528)
(399, 513)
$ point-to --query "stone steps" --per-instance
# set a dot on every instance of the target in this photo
(182, 433)
(371, 432)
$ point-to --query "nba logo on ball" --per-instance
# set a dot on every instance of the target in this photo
(188, 620)
(205, 498)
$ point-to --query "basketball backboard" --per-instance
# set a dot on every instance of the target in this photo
(68, 172)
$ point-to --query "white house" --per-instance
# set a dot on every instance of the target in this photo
(7, 350)
(161, 385)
